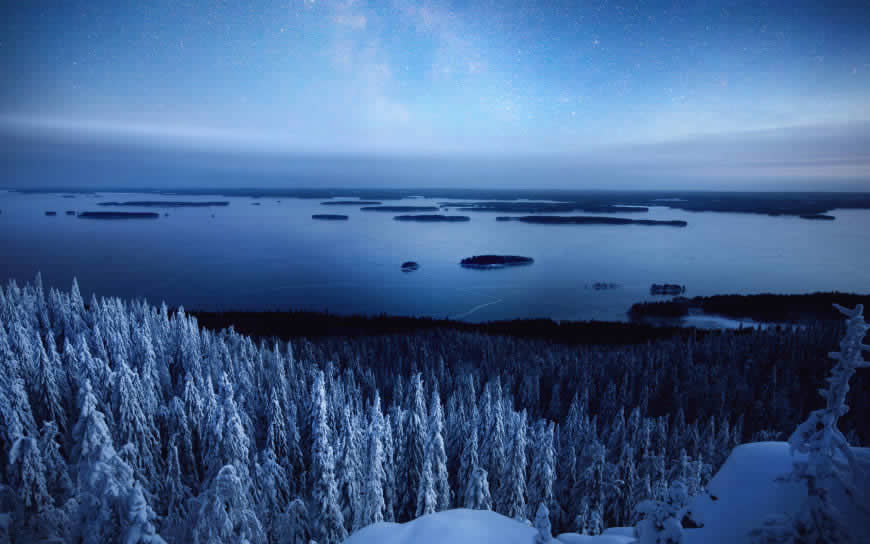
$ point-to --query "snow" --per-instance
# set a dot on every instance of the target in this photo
(458, 526)
(464, 526)
(615, 535)
(747, 493)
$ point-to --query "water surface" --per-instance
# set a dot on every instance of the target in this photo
(274, 256)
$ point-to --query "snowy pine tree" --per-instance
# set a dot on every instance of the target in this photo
(328, 521)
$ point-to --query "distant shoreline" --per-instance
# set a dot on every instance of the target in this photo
(589, 220)
(165, 204)
(793, 203)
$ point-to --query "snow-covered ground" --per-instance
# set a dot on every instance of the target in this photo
(462, 526)
(747, 492)
(740, 497)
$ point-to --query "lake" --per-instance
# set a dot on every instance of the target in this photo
(274, 256)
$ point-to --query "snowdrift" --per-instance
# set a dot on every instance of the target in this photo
(746, 491)
(462, 526)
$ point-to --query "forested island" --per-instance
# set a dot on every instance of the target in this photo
(119, 215)
(410, 266)
(588, 220)
(329, 217)
(667, 289)
(542, 207)
(433, 218)
(166, 204)
(400, 209)
(50, 214)
(351, 203)
(495, 261)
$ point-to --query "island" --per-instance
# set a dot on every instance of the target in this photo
(351, 203)
(603, 285)
(588, 220)
(70, 212)
(329, 217)
(410, 266)
(433, 218)
(495, 261)
(543, 207)
(818, 217)
(400, 209)
(50, 213)
(666, 289)
(118, 215)
(166, 204)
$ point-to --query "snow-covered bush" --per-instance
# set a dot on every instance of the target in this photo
(662, 524)
(542, 524)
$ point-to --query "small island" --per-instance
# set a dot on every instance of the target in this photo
(495, 261)
(351, 203)
(50, 213)
(329, 217)
(666, 289)
(119, 215)
(543, 207)
(166, 204)
(70, 212)
(410, 266)
(818, 217)
(588, 220)
(400, 209)
(603, 285)
(433, 218)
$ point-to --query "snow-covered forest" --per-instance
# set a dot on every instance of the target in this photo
(125, 422)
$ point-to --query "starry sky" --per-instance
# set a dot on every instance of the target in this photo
(774, 90)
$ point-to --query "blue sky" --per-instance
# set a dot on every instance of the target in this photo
(762, 90)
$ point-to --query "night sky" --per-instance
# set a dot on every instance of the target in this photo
(772, 91)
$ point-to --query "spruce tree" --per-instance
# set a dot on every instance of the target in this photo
(328, 526)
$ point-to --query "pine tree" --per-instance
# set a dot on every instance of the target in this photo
(514, 486)
(477, 496)
(328, 526)
(349, 472)
(427, 498)
(226, 513)
(292, 526)
(435, 454)
(270, 489)
(543, 466)
(56, 469)
(46, 394)
(373, 504)
(27, 475)
(413, 452)
(542, 524)
(139, 520)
